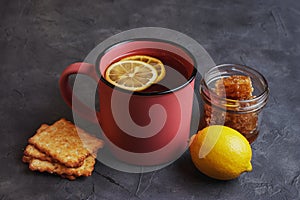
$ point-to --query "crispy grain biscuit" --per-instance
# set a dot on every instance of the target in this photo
(27, 159)
(32, 152)
(61, 141)
(71, 178)
(90, 142)
(57, 168)
(42, 127)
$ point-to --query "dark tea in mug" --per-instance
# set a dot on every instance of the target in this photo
(176, 69)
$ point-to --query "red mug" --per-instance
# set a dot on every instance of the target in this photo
(150, 127)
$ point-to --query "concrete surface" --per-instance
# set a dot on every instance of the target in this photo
(38, 39)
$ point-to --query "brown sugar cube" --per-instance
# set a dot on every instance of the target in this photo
(66, 143)
(237, 88)
(234, 87)
(244, 123)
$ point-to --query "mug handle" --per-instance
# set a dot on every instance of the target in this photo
(67, 93)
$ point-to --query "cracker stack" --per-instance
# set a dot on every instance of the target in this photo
(62, 149)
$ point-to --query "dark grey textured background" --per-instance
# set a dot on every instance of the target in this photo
(38, 39)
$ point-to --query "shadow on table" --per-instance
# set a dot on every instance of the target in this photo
(186, 167)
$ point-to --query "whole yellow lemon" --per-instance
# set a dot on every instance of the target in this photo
(221, 152)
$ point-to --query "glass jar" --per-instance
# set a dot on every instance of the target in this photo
(243, 115)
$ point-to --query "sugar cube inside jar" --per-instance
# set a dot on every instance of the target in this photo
(234, 96)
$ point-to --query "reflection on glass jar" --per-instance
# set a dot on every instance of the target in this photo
(234, 95)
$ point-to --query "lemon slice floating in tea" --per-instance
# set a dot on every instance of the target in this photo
(156, 63)
(131, 75)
